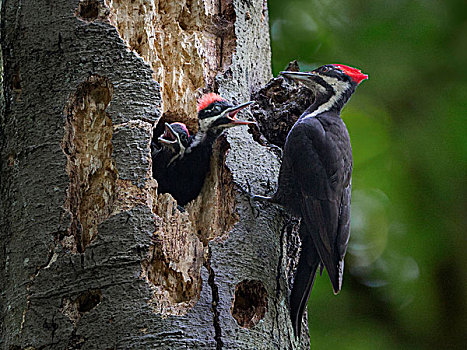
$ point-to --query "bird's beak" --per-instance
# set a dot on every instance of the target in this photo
(169, 137)
(300, 76)
(231, 112)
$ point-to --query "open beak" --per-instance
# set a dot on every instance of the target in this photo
(231, 113)
(169, 137)
(300, 76)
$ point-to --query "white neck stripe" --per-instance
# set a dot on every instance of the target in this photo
(339, 88)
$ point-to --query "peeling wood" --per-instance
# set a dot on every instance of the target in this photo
(173, 265)
(187, 43)
(278, 106)
(91, 168)
(213, 213)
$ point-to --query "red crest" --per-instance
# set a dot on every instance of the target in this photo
(207, 99)
(183, 126)
(354, 73)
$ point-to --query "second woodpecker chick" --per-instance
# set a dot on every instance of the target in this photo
(173, 143)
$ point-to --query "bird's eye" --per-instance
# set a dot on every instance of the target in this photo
(217, 109)
(325, 69)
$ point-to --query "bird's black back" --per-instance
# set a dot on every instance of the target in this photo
(314, 183)
(185, 177)
(318, 157)
(161, 157)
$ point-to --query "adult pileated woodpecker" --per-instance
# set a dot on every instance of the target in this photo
(315, 178)
(189, 170)
(174, 141)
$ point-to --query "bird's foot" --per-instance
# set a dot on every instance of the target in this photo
(251, 198)
(276, 149)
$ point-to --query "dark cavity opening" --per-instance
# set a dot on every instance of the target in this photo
(88, 300)
(250, 303)
(88, 10)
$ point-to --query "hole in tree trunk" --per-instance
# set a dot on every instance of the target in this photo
(88, 300)
(250, 303)
(88, 10)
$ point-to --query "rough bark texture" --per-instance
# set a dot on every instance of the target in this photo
(91, 257)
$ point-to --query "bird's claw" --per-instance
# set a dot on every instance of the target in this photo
(277, 150)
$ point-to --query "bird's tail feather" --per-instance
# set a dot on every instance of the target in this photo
(304, 277)
(335, 275)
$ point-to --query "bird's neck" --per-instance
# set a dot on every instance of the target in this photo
(329, 99)
(202, 138)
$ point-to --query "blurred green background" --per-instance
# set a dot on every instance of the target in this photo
(405, 285)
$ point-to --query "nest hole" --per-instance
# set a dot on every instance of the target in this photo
(88, 300)
(88, 10)
(250, 303)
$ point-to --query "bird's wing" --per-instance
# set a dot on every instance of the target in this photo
(343, 229)
(319, 168)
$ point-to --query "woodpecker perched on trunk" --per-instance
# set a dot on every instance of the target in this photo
(188, 172)
(174, 141)
(315, 179)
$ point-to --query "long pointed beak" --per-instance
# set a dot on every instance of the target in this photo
(231, 113)
(303, 76)
(169, 137)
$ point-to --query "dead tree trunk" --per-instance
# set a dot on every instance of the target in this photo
(91, 257)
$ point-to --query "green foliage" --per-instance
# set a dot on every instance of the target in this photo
(405, 285)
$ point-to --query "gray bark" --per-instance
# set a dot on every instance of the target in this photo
(91, 257)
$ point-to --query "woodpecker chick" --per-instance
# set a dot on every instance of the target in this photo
(174, 141)
(315, 180)
(215, 115)
(176, 137)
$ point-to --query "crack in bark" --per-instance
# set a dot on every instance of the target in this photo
(51, 255)
(278, 282)
(215, 302)
(221, 52)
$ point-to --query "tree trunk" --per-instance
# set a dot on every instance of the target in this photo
(92, 257)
